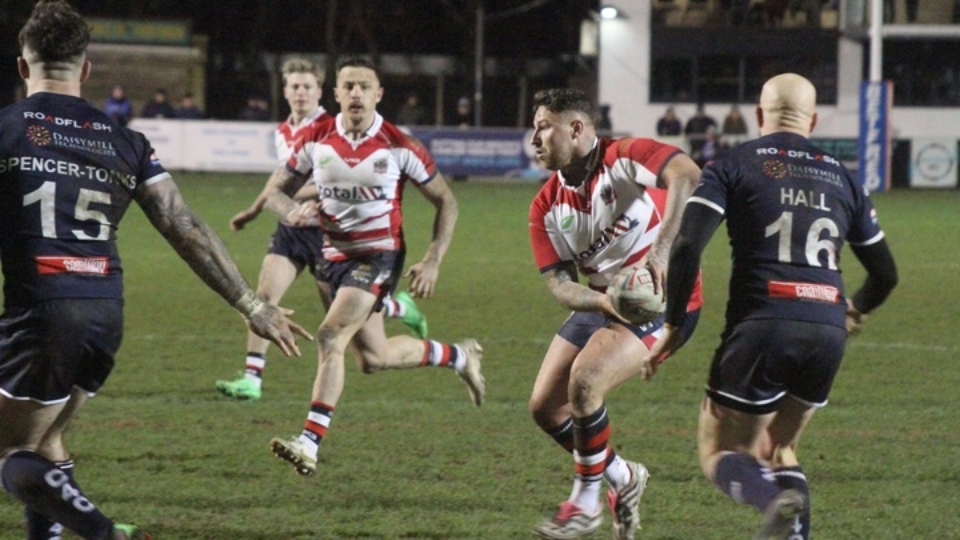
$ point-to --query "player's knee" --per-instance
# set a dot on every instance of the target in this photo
(329, 343)
(371, 363)
(539, 411)
(583, 395)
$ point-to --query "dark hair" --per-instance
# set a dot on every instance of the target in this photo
(54, 33)
(352, 60)
(559, 100)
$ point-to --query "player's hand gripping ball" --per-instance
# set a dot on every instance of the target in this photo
(633, 295)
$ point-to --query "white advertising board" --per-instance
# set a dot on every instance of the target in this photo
(933, 163)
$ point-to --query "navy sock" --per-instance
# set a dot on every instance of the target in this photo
(563, 435)
(793, 478)
(41, 486)
(40, 527)
(745, 481)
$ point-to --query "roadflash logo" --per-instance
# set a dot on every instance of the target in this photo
(774, 169)
(39, 135)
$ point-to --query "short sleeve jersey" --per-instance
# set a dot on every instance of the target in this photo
(285, 138)
(286, 133)
(360, 183)
(67, 176)
(611, 219)
(789, 208)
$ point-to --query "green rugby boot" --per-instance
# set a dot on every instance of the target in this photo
(241, 389)
(412, 318)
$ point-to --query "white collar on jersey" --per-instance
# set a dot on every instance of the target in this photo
(370, 132)
(306, 120)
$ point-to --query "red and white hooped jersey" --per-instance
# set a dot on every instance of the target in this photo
(611, 219)
(286, 133)
(360, 183)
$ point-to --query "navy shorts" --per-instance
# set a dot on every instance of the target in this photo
(376, 273)
(581, 325)
(760, 362)
(48, 349)
(302, 245)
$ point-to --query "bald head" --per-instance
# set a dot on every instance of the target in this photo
(787, 103)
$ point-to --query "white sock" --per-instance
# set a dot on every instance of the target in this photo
(586, 495)
(308, 445)
(461, 361)
(617, 474)
(254, 369)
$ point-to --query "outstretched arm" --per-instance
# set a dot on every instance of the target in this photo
(202, 249)
(424, 273)
(699, 224)
(680, 178)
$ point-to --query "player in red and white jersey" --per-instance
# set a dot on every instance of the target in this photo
(360, 165)
(359, 182)
(611, 203)
(293, 249)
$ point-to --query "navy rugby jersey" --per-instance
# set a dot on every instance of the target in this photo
(67, 176)
(789, 208)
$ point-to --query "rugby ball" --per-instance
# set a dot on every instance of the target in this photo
(633, 295)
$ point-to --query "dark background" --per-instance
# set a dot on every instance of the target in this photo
(239, 31)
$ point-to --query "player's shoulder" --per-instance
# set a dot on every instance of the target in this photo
(397, 137)
(635, 148)
(548, 193)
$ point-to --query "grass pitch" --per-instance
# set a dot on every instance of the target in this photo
(408, 456)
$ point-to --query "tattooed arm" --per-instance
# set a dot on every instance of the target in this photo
(278, 197)
(202, 249)
(562, 282)
(680, 178)
(306, 192)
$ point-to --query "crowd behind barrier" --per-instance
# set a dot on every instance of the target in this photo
(232, 146)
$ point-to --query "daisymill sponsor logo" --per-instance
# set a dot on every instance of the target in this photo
(774, 169)
(66, 122)
(39, 135)
(92, 146)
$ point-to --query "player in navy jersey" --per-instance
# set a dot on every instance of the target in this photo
(789, 209)
(610, 204)
(67, 176)
(360, 164)
(295, 249)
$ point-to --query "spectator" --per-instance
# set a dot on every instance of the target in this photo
(464, 115)
(697, 128)
(463, 118)
(159, 107)
(734, 124)
(188, 109)
(669, 124)
(257, 109)
(710, 149)
(411, 112)
(118, 107)
(604, 123)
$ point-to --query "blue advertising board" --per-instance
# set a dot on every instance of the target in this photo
(875, 136)
(480, 152)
